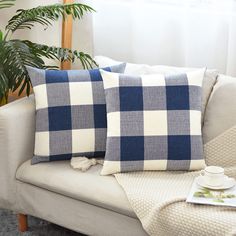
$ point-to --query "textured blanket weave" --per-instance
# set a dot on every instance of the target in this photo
(221, 150)
(158, 199)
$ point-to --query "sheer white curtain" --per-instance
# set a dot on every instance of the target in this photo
(191, 33)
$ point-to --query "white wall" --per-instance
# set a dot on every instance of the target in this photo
(82, 30)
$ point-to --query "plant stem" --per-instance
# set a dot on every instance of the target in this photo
(6, 35)
(4, 100)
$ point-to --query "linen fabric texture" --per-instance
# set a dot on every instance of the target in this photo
(209, 79)
(154, 122)
(70, 113)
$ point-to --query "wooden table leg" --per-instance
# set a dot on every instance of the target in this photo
(22, 222)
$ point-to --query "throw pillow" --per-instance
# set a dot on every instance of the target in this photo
(154, 122)
(140, 69)
(70, 113)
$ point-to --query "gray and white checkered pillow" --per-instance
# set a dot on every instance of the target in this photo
(70, 113)
(154, 122)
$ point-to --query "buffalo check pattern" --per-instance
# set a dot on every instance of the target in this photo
(154, 122)
(70, 113)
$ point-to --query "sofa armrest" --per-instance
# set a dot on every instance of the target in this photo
(17, 128)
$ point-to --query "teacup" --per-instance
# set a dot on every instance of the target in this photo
(213, 175)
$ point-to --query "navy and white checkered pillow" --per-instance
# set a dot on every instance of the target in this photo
(154, 122)
(70, 113)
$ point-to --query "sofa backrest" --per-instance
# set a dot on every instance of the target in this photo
(219, 129)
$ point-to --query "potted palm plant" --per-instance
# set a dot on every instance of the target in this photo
(16, 54)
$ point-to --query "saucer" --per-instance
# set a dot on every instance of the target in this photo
(228, 183)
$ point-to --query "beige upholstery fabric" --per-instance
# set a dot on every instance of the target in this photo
(74, 214)
(221, 151)
(90, 187)
(219, 132)
(221, 109)
(17, 126)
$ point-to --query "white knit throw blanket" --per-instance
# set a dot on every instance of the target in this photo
(158, 199)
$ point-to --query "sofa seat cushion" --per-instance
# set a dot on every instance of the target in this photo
(90, 186)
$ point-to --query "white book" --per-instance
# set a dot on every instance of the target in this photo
(201, 195)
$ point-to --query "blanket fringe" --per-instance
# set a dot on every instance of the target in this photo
(84, 163)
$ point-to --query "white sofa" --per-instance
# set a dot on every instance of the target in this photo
(84, 202)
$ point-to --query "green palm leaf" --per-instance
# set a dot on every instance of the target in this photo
(61, 54)
(15, 55)
(3, 77)
(6, 3)
(15, 70)
(44, 15)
